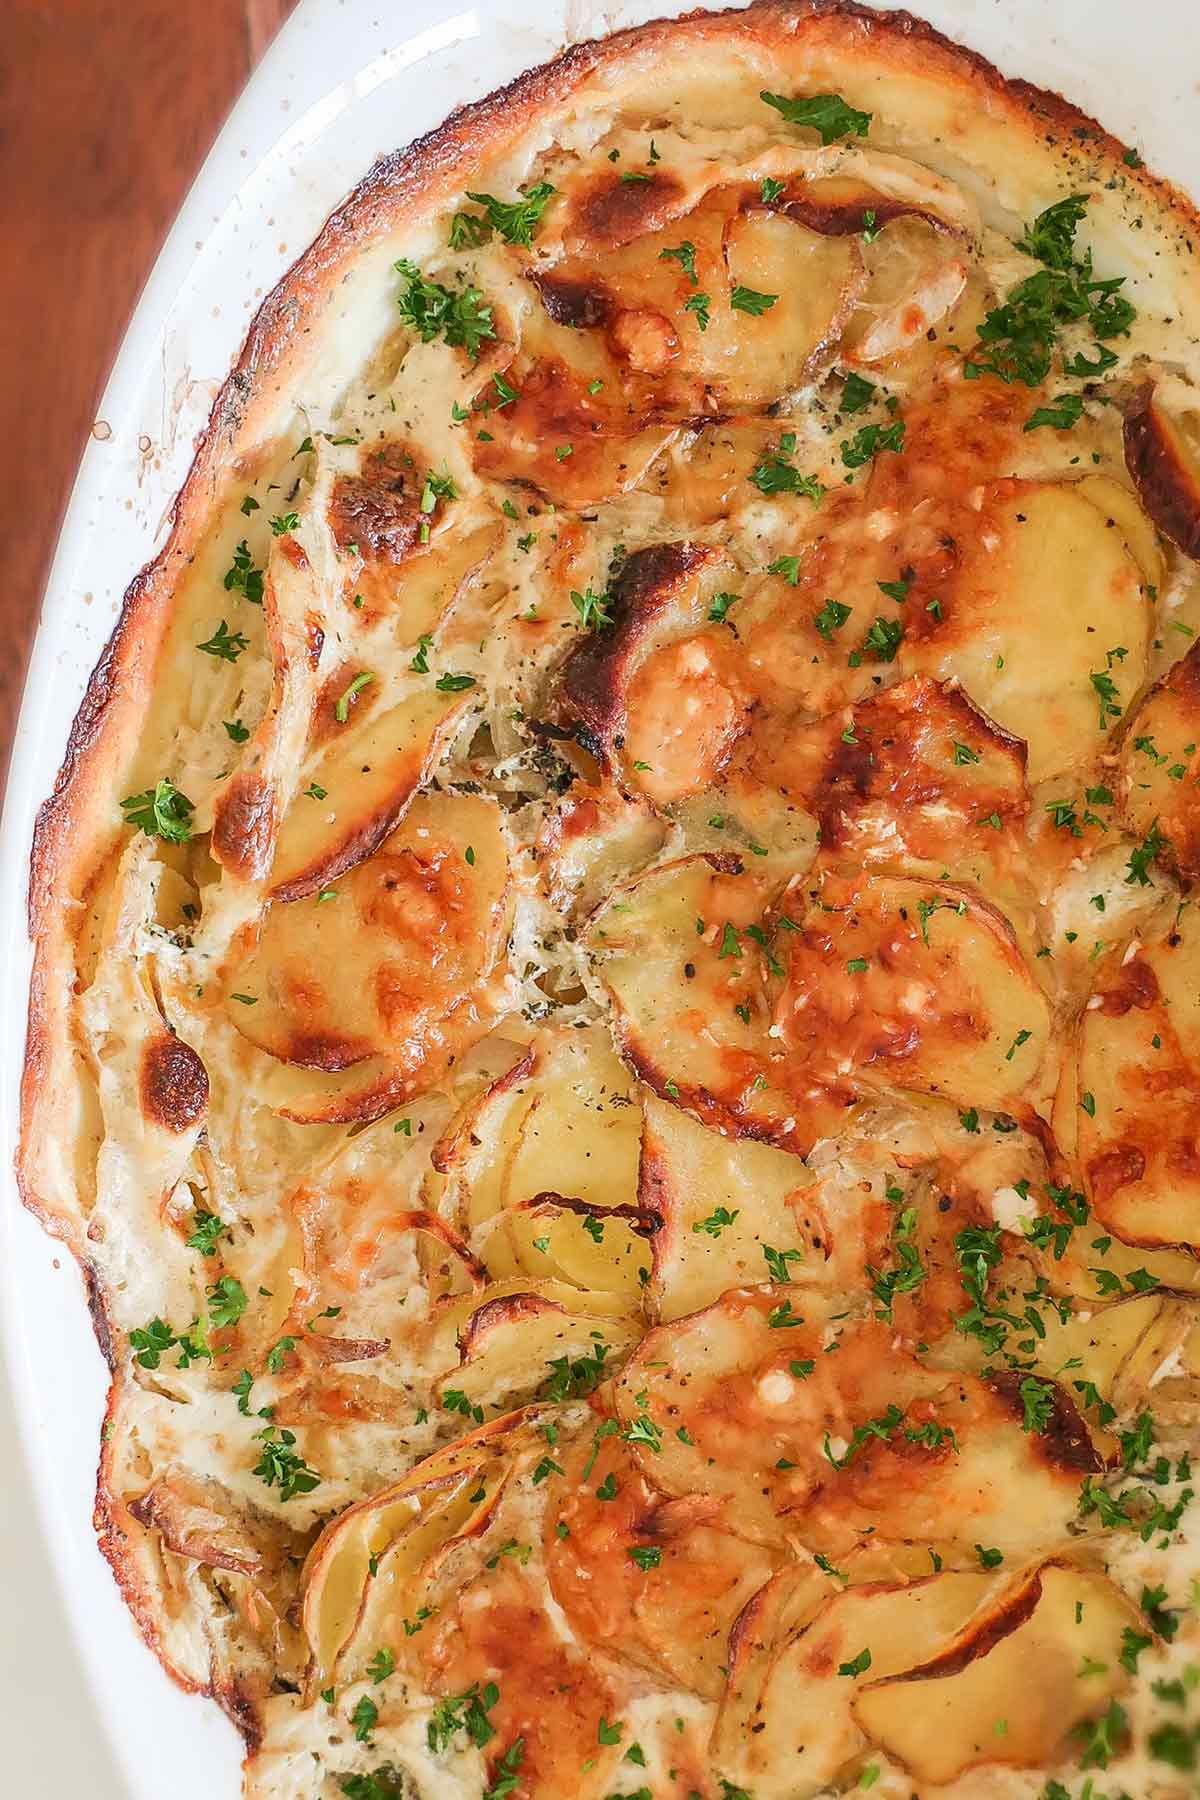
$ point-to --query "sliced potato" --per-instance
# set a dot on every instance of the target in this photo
(1046, 598)
(673, 1618)
(508, 1347)
(611, 448)
(720, 1200)
(391, 967)
(543, 1172)
(1123, 512)
(592, 840)
(916, 276)
(914, 779)
(1139, 1058)
(367, 775)
(1160, 767)
(1162, 452)
(428, 1506)
(788, 1737)
(611, 685)
(834, 1445)
(906, 985)
(748, 355)
(671, 951)
(1010, 1689)
(492, 1624)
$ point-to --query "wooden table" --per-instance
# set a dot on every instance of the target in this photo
(107, 108)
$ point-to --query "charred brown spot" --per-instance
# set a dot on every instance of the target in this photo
(244, 824)
(378, 512)
(1115, 1169)
(574, 301)
(1136, 987)
(614, 210)
(592, 683)
(638, 1218)
(1065, 1443)
(174, 1084)
(1012, 1611)
(348, 1350)
(841, 206)
(325, 1050)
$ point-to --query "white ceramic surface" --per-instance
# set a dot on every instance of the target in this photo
(84, 1709)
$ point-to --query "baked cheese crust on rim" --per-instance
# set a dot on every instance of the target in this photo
(615, 1021)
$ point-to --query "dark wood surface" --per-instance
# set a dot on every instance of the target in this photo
(107, 108)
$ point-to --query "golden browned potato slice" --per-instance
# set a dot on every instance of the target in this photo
(720, 1200)
(389, 970)
(776, 297)
(672, 1616)
(900, 984)
(1045, 624)
(543, 1171)
(553, 1693)
(356, 787)
(1013, 1701)
(1160, 767)
(605, 447)
(676, 952)
(787, 1725)
(1162, 451)
(914, 779)
(836, 1445)
(1139, 1066)
(620, 686)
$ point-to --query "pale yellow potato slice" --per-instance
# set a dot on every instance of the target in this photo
(790, 1735)
(1160, 768)
(1139, 1060)
(657, 947)
(1046, 598)
(721, 1200)
(1016, 1700)
(1119, 505)
(508, 1347)
(428, 1506)
(392, 966)
(540, 1163)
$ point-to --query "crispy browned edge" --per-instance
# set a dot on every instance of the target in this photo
(74, 825)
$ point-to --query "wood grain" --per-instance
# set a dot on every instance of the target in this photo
(107, 108)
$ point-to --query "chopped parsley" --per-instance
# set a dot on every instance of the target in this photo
(459, 316)
(225, 645)
(827, 114)
(513, 220)
(162, 811)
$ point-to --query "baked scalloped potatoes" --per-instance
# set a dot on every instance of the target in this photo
(615, 1022)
